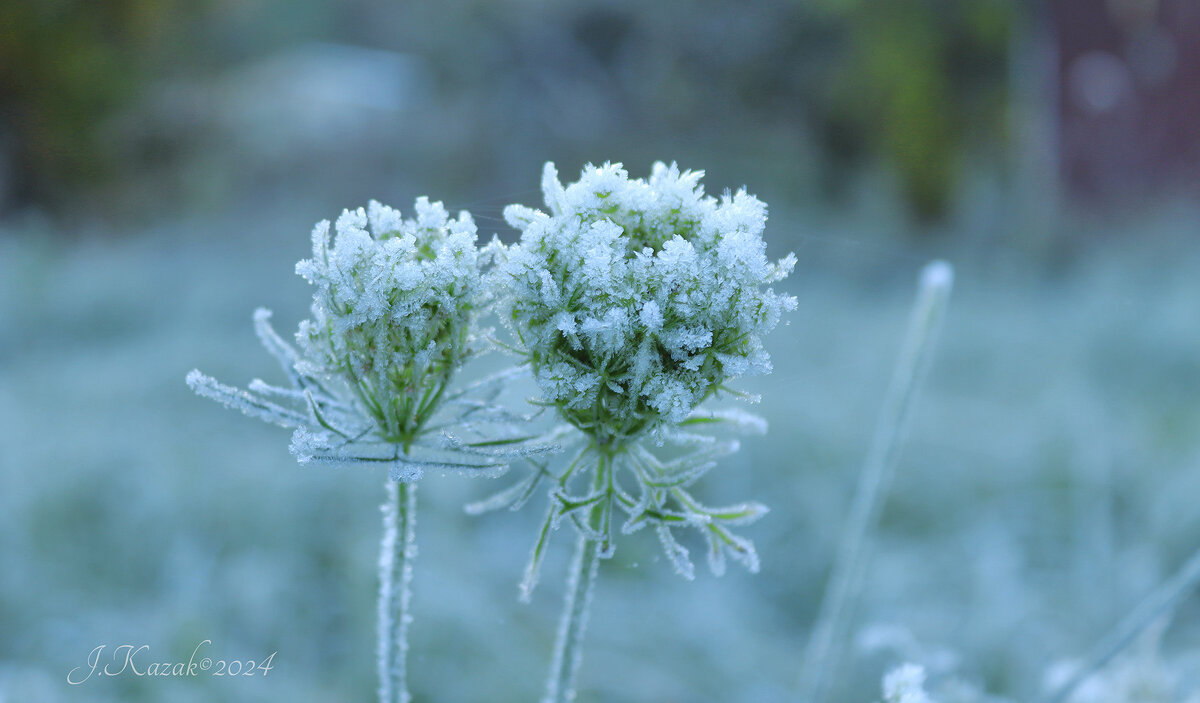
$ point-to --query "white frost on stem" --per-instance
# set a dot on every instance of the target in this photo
(397, 552)
(568, 645)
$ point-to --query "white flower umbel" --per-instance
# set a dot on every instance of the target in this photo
(633, 301)
(393, 318)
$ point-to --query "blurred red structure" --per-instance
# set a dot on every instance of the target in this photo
(1129, 96)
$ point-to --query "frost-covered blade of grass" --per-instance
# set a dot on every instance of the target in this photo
(823, 651)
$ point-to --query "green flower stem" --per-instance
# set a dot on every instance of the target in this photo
(568, 646)
(397, 552)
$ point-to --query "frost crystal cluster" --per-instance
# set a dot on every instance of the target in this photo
(905, 684)
(393, 310)
(635, 300)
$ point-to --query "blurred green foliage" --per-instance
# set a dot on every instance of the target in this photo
(915, 87)
(921, 83)
(65, 67)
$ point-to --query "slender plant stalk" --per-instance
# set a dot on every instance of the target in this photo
(568, 644)
(1162, 600)
(821, 655)
(397, 552)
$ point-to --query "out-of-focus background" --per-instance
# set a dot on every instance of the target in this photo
(162, 162)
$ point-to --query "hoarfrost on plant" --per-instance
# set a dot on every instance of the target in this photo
(635, 300)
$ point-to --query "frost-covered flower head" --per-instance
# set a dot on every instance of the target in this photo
(635, 300)
(394, 315)
(394, 308)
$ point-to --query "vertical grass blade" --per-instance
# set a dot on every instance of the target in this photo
(825, 643)
(1160, 601)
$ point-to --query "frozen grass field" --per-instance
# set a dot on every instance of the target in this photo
(1049, 483)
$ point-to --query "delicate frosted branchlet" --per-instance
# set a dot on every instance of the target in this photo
(633, 301)
(394, 316)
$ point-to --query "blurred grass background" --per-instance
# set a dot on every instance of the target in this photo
(161, 164)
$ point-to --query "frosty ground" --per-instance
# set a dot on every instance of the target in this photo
(1049, 482)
